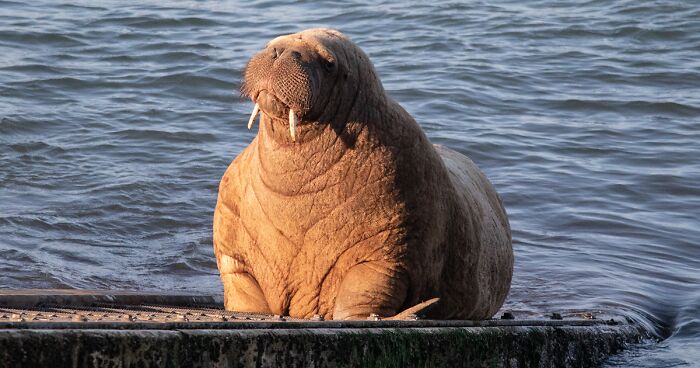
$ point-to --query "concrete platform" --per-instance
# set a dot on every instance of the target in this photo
(125, 329)
(23, 298)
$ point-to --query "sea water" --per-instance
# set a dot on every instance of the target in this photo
(117, 121)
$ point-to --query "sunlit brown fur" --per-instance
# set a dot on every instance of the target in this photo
(362, 214)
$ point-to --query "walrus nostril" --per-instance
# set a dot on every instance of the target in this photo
(296, 55)
(276, 52)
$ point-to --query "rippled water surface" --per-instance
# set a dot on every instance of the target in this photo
(117, 122)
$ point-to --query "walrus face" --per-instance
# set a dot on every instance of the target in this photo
(293, 77)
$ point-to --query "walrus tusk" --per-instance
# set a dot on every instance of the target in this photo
(293, 125)
(251, 121)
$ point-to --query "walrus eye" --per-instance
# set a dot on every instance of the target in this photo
(329, 65)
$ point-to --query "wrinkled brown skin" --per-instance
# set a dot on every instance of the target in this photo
(362, 214)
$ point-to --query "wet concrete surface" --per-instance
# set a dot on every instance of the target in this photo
(117, 329)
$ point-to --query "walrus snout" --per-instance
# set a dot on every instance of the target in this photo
(289, 74)
(288, 78)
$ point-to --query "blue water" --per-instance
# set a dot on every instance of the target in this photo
(117, 122)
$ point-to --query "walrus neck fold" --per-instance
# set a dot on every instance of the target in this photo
(287, 166)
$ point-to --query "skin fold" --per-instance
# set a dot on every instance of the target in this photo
(358, 213)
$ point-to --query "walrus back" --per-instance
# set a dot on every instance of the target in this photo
(484, 286)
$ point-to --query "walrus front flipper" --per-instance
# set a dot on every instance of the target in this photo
(419, 310)
(370, 288)
(242, 293)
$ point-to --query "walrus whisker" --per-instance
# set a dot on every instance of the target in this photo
(293, 125)
(251, 121)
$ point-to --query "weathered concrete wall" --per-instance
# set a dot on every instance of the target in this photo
(505, 346)
(105, 328)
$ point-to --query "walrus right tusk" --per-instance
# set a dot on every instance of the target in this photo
(293, 125)
(251, 121)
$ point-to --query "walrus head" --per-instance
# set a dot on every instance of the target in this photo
(311, 76)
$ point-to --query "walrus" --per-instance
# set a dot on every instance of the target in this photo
(341, 207)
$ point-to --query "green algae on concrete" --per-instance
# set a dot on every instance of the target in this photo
(504, 346)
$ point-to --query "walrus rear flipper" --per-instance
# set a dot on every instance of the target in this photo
(419, 310)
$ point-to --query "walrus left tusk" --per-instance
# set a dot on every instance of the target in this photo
(251, 121)
(293, 125)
